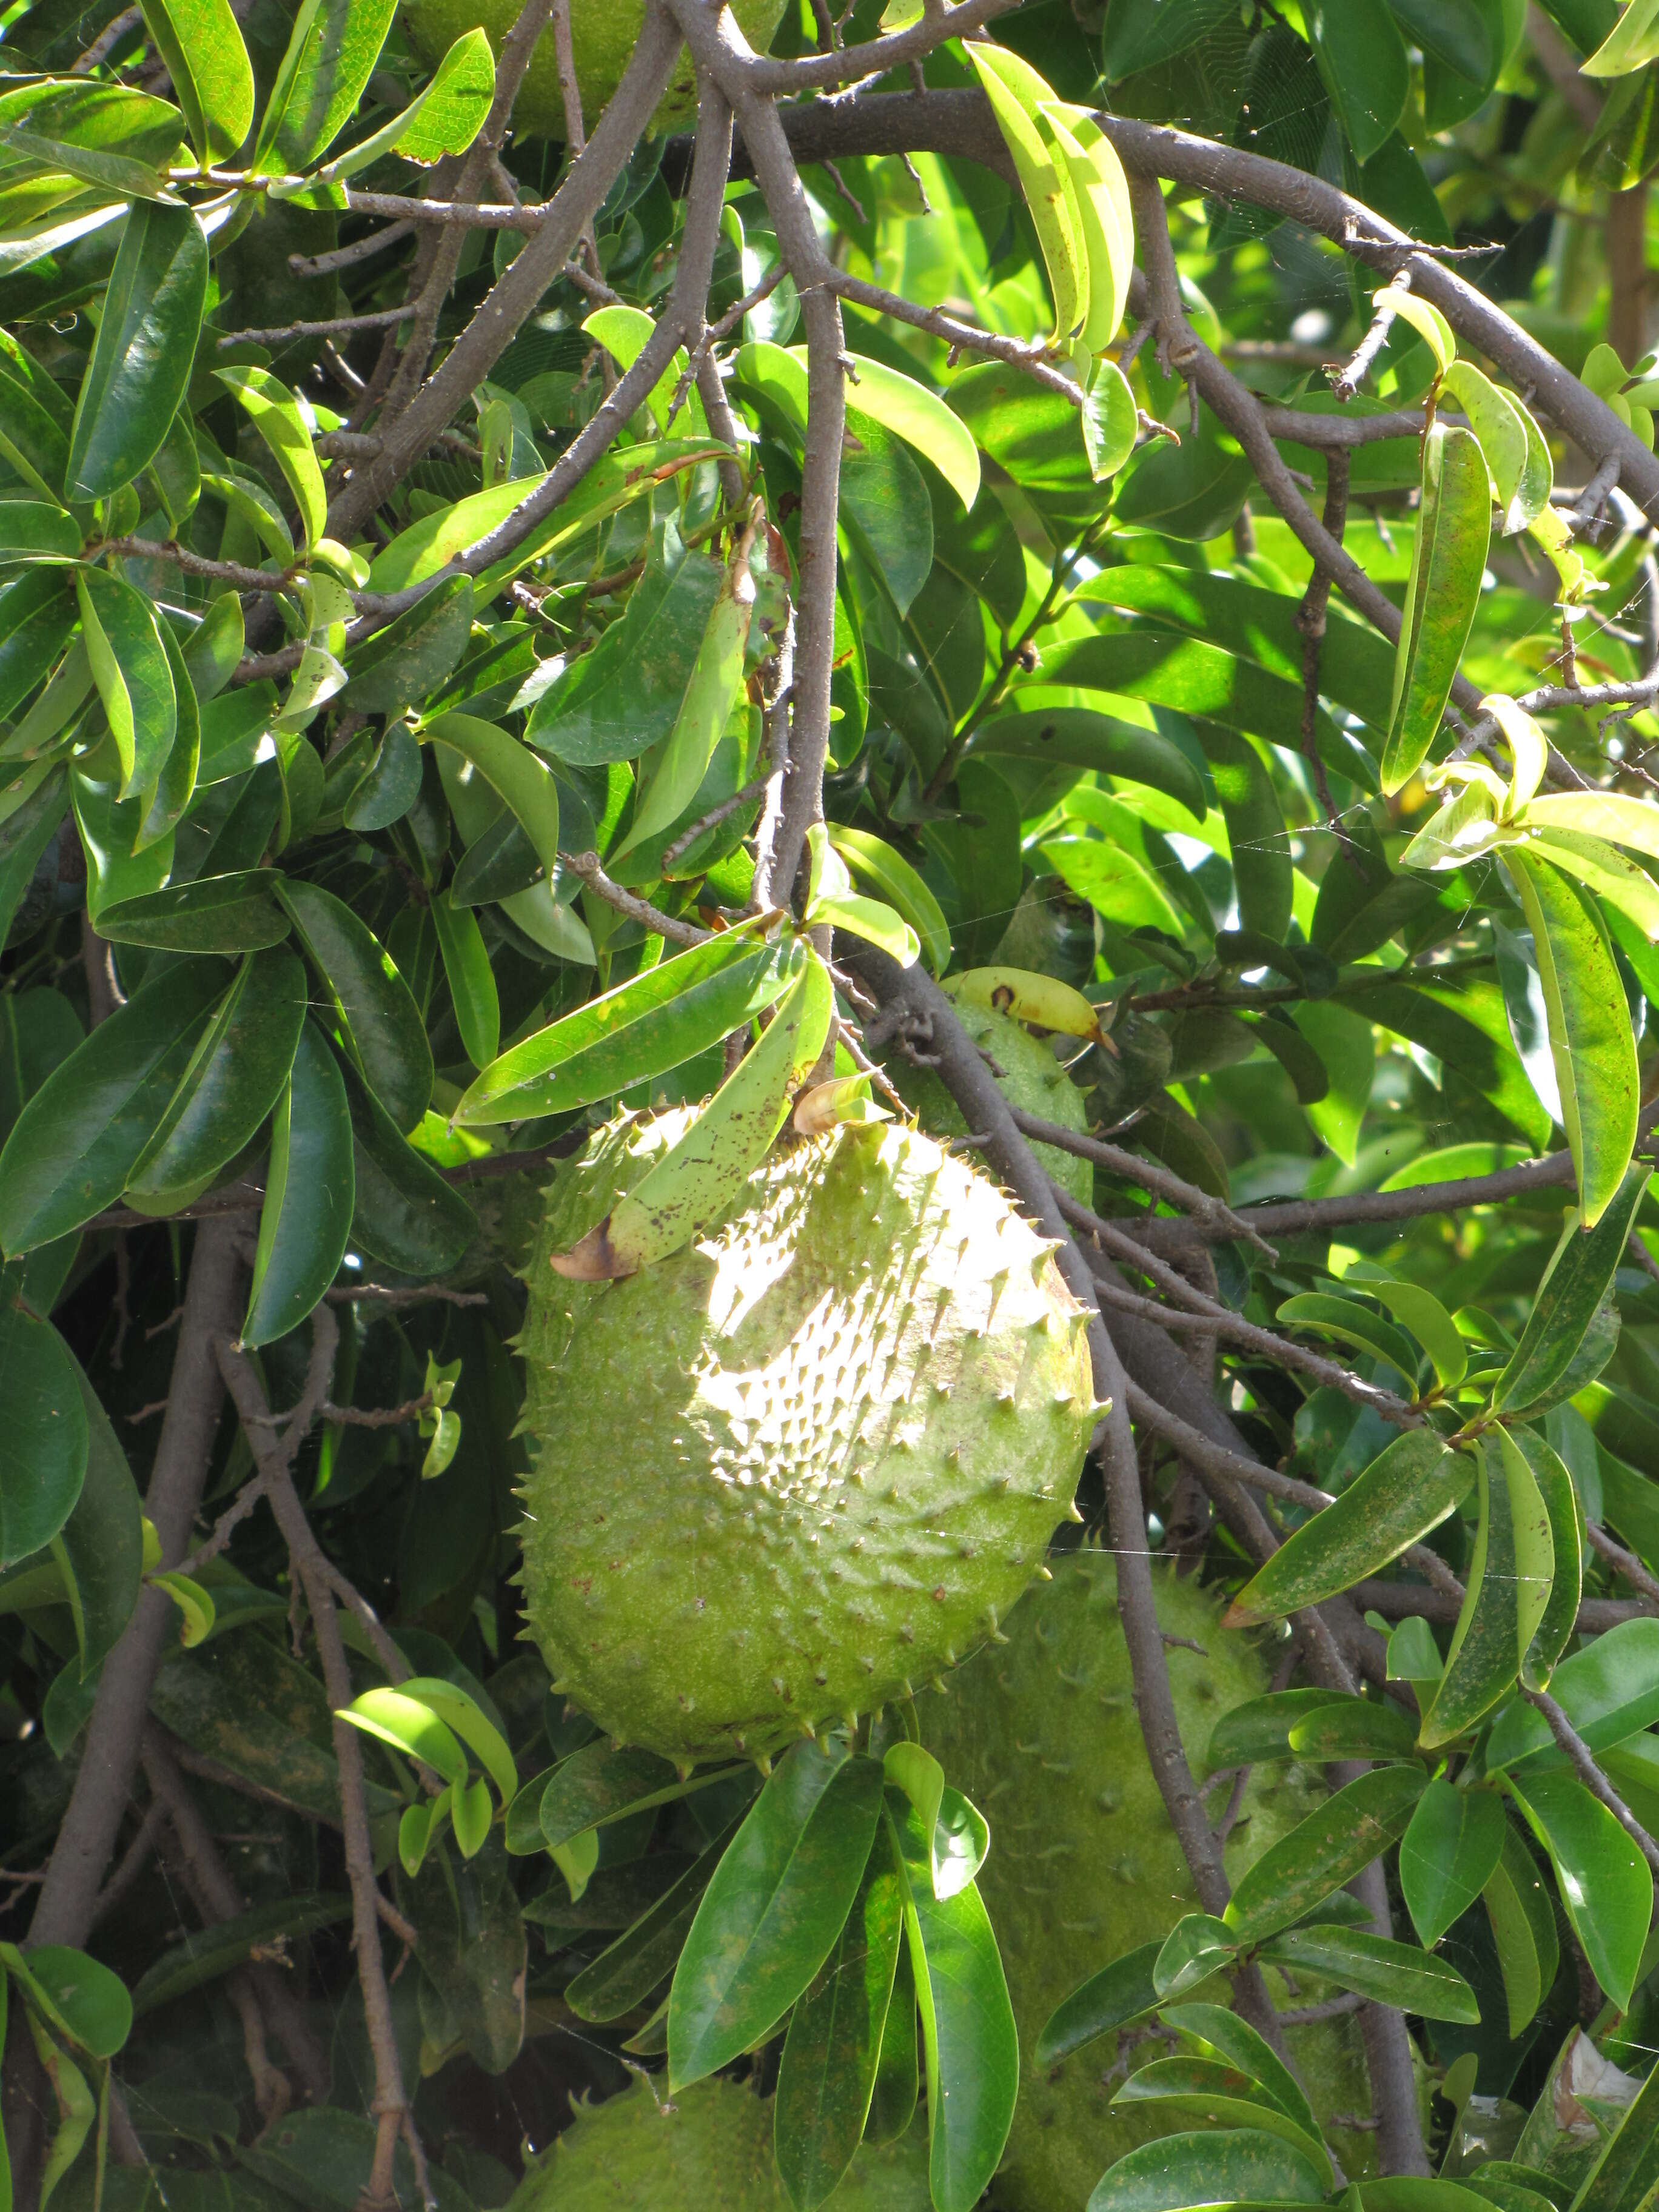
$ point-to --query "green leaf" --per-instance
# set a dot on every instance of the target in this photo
(410, 1726)
(1625, 2169)
(146, 344)
(192, 1601)
(1216, 2033)
(1591, 1039)
(331, 51)
(1118, 1994)
(475, 1730)
(777, 1902)
(1449, 559)
(875, 860)
(1522, 1919)
(1057, 451)
(1618, 883)
(73, 1146)
(405, 663)
(310, 1190)
(389, 786)
(81, 1998)
(1603, 1879)
(201, 42)
(697, 1179)
(1511, 455)
(899, 2069)
(672, 781)
(1241, 2167)
(30, 528)
(918, 416)
(1575, 1284)
(1335, 1842)
(404, 1214)
(1466, 1027)
(524, 783)
(1511, 1572)
(1386, 1973)
(830, 2054)
(37, 612)
(598, 1784)
(1259, 1729)
(43, 1443)
(1423, 1314)
(1557, 1625)
(234, 1080)
(1078, 737)
(206, 1954)
(214, 914)
(445, 117)
(24, 837)
(629, 1970)
(1362, 58)
(1210, 2089)
(622, 698)
(1609, 1690)
(274, 414)
(377, 1021)
(1353, 1727)
(1448, 1856)
(1409, 1488)
(1198, 1945)
(968, 2028)
(133, 673)
(470, 977)
(1350, 1322)
(100, 1548)
(1630, 45)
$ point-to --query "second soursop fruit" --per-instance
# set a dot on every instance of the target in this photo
(1031, 1078)
(779, 1475)
(708, 2151)
(1041, 1733)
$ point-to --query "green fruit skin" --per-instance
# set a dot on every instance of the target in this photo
(603, 36)
(1031, 1079)
(708, 2151)
(781, 1473)
(1041, 1735)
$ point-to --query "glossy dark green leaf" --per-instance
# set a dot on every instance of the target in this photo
(390, 784)
(1522, 1916)
(472, 980)
(968, 2032)
(133, 673)
(331, 54)
(1055, 453)
(1591, 1038)
(831, 2053)
(405, 663)
(1408, 1489)
(201, 42)
(1447, 1854)
(1572, 1290)
(1609, 1691)
(31, 438)
(73, 1146)
(1118, 1994)
(1213, 2032)
(1261, 1727)
(79, 1995)
(240, 1065)
(24, 837)
(406, 1214)
(167, 799)
(898, 2068)
(1603, 1879)
(206, 1954)
(1465, 1026)
(1335, 1842)
(1510, 1570)
(31, 530)
(100, 1547)
(1241, 2166)
(37, 613)
(1556, 1626)
(1078, 737)
(1449, 559)
(599, 1783)
(310, 1191)
(1362, 58)
(1205, 2089)
(1195, 490)
(214, 914)
(629, 1970)
(778, 1901)
(617, 702)
(1387, 1973)
(640, 1030)
(1354, 1727)
(146, 344)
(1351, 1322)
(43, 1442)
(378, 1022)
(1198, 1945)
(473, 1949)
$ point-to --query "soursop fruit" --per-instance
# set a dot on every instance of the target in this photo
(1030, 1077)
(710, 2150)
(781, 1473)
(1041, 1733)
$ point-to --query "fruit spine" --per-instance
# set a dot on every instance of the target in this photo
(1043, 1734)
(778, 1476)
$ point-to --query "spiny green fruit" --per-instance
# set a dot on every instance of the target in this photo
(818, 1453)
(1041, 1733)
(508, 1210)
(1051, 933)
(603, 36)
(710, 2150)
(1031, 1078)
